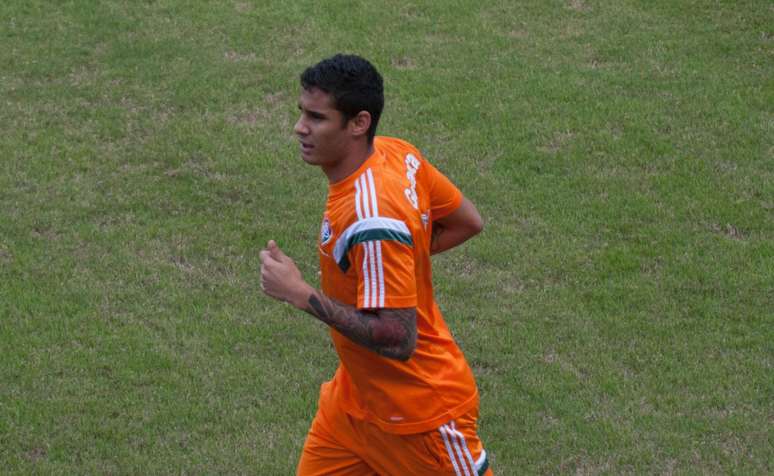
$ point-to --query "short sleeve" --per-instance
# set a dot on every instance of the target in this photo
(445, 197)
(380, 252)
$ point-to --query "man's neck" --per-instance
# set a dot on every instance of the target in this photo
(354, 159)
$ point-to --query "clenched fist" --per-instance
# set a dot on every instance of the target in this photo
(280, 277)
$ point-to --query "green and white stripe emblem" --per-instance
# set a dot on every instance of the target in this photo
(369, 229)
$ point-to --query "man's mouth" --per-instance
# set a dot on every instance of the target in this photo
(306, 148)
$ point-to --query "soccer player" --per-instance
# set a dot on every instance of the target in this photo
(403, 400)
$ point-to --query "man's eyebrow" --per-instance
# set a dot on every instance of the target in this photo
(311, 112)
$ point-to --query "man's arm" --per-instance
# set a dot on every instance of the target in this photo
(456, 227)
(389, 332)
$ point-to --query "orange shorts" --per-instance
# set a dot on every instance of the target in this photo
(338, 444)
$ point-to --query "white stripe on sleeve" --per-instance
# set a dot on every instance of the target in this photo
(372, 256)
(374, 206)
(366, 283)
(367, 207)
(365, 197)
(357, 201)
(380, 272)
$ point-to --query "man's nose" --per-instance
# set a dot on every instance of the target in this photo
(300, 128)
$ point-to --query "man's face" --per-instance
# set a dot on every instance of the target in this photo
(321, 130)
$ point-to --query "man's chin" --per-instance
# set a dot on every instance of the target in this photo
(309, 159)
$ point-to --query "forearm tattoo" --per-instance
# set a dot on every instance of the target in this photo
(388, 332)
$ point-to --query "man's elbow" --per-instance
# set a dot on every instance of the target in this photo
(396, 333)
(404, 349)
(476, 226)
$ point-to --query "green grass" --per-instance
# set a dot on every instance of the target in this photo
(617, 309)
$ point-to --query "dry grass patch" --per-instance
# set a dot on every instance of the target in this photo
(272, 111)
(36, 454)
(403, 63)
(728, 230)
(236, 57)
(83, 76)
(5, 254)
(518, 34)
(558, 141)
(552, 357)
(579, 6)
(243, 7)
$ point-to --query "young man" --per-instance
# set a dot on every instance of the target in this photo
(403, 400)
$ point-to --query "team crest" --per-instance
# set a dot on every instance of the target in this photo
(325, 231)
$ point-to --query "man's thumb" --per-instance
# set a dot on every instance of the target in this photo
(274, 250)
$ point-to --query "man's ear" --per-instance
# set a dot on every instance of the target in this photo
(359, 124)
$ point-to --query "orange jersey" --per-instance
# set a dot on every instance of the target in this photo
(375, 253)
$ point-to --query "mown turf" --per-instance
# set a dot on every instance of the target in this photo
(617, 309)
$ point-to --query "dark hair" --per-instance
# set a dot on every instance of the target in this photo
(354, 84)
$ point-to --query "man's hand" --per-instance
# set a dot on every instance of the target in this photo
(456, 228)
(280, 277)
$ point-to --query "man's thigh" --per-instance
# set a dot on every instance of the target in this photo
(329, 450)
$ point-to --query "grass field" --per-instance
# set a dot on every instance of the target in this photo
(618, 310)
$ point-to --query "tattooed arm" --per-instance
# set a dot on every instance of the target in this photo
(389, 332)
